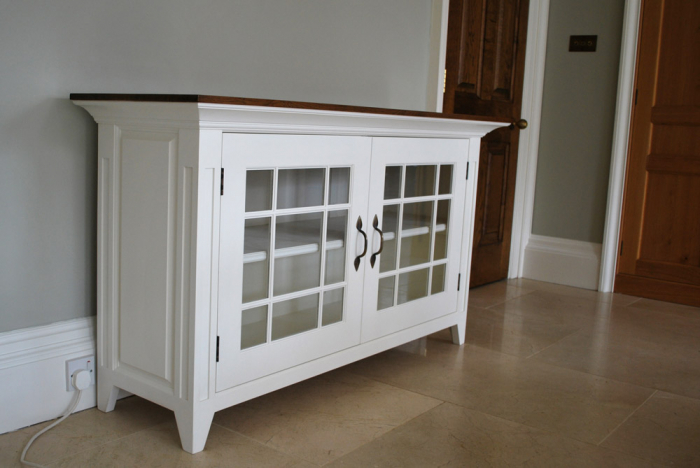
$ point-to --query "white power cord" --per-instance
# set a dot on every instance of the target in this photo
(81, 380)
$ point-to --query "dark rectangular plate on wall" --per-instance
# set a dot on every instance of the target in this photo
(582, 43)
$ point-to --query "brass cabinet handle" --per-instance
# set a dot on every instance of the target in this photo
(364, 252)
(375, 225)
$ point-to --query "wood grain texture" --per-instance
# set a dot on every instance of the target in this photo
(660, 228)
(239, 101)
(485, 67)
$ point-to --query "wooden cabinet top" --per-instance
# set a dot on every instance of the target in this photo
(238, 101)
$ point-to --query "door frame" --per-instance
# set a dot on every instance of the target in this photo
(533, 86)
(621, 133)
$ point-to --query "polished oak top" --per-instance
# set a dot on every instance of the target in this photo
(201, 98)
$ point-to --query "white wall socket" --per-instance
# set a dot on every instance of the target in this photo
(74, 365)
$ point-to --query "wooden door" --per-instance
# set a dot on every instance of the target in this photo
(659, 252)
(485, 65)
(417, 194)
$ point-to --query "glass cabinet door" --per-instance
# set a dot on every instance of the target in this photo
(418, 201)
(289, 291)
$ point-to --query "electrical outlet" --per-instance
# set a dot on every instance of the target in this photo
(85, 362)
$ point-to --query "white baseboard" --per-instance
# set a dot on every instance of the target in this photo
(33, 371)
(562, 261)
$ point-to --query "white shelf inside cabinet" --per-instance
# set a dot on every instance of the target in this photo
(160, 243)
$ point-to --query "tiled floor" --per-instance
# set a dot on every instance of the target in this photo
(550, 376)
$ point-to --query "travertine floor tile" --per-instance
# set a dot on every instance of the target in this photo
(665, 429)
(325, 417)
(579, 405)
(84, 430)
(660, 352)
(518, 335)
(451, 436)
(159, 446)
(569, 291)
(558, 309)
(495, 293)
(669, 307)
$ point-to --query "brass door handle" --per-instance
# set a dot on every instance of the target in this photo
(521, 124)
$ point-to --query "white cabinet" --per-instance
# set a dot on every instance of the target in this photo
(243, 248)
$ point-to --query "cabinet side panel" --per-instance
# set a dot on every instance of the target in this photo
(147, 254)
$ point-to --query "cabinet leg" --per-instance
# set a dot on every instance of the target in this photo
(106, 395)
(193, 428)
(458, 333)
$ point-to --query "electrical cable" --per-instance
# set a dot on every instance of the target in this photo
(80, 385)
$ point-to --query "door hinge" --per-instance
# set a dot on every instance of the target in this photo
(622, 246)
(222, 181)
(467, 171)
(217, 349)
(459, 280)
(444, 81)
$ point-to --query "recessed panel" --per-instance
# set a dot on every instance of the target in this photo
(147, 260)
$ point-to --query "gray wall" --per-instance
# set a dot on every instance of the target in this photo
(362, 52)
(577, 121)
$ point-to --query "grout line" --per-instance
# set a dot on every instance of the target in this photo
(628, 416)
(264, 444)
(552, 344)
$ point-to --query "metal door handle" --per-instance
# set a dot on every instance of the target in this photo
(364, 252)
(521, 124)
(375, 225)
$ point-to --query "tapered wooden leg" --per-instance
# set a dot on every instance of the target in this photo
(106, 395)
(458, 332)
(193, 427)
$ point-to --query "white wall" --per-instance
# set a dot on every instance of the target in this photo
(361, 52)
(578, 112)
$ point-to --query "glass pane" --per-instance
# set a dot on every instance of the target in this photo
(438, 284)
(256, 259)
(335, 246)
(392, 182)
(415, 233)
(258, 191)
(294, 316)
(332, 306)
(298, 188)
(413, 285)
(442, 224)
(297, 253)
(339, 190)
(390, 226)
(253, 327)
(420, 181)
(385, 297)
(445, 180)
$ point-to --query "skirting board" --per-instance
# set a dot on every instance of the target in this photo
(33, 371)
(562, 261)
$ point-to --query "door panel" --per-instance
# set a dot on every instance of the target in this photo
(485, 65)
(417, 195)
(660, 231)
(288, 291)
